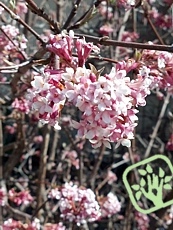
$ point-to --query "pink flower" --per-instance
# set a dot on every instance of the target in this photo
(21, 105)
(104, 10)
(77, 204)
(11, 224)
(169, 145)
(129, 36)
(111, 177)
(38, 139)
(83, 50)
(126, 3)
(72, 157)
(50, 226)
(109, 205)
(62, 46)
(105, 29)
(2, 197)
(19, 198)
(21, 8)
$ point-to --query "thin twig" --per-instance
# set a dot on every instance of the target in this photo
(18, 152)
(108, 42)
(42, 169)
(152, 26)
(22, 22)
(53, 150)
(18, 214)
(72, 14)
(156, 128)
(125, 19)
(40, 12)
(79, 153)
(17, 48)
(96, 167)
(1, 158)
(86, 16)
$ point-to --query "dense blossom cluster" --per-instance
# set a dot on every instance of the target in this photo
(107, 102)
(109, 205)
(160, 66)
(76, 204)
(19, 198)
(12, 224)
(164, 21)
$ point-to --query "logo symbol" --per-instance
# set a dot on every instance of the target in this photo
(152, 183)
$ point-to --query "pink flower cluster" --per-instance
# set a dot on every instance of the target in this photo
(72, 158)
(46, 98)
(2, 196)
(10, 47)
(64, 45)
(19, 198)
(21, 104)
(164, 21)
(128, 36)
(109, 205)
(107, 102)
(76, 204)
(106, 29)
(21, 8)
(50, 226)
(142, 221)
(12, 224)
(160, 65)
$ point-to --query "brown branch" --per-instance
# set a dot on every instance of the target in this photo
(86, 16)
(1, 163)
(53, 150)
(40, 12)
(72, 14)
(96, 167)
(17, 214)
(145, 8)
(18, 151)
(79, 153)
(17, 48)
(23, 69)
(156, 128)
(42, 169)
(1, 145)
(107, 42)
